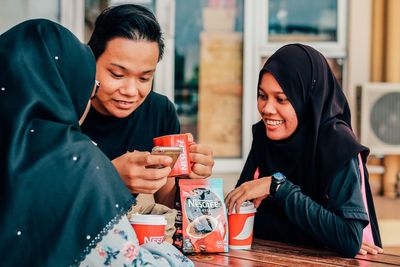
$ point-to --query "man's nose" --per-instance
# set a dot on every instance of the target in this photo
(130, 88)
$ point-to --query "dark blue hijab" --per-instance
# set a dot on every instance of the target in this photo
(59, 193)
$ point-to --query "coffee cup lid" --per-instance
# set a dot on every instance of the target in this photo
(148, 219)
(246, 208)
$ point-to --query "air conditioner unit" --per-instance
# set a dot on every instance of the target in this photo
(380, 118)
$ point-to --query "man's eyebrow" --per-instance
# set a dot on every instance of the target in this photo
(148, 71)
(125, 69)
(119, 66)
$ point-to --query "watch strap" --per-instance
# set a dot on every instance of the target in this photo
(276, 180)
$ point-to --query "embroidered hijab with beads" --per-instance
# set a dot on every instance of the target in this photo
(323, 142)
(59, 193)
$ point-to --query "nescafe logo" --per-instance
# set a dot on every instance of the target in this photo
(211, 204)
(202, 201)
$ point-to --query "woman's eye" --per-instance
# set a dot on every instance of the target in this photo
(143, 79)
(281, 100)
(261, 95)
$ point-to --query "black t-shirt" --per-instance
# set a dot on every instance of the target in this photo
(156, 116)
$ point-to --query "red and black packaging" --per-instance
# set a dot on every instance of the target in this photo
(203, 217)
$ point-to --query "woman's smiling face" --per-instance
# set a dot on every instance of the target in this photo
(277, 112)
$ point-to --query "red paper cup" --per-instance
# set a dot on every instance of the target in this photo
(241, 227)
(182, 165)
(148, 228)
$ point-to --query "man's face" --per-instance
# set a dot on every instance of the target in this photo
(125, 71)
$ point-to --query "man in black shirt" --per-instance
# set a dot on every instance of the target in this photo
(126, 114)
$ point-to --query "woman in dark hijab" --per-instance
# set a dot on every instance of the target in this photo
(60, 195)
(312, 166)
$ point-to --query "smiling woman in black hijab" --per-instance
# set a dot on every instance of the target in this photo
(308, 157)
(60, 195)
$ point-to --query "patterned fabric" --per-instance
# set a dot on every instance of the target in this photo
(120, 247)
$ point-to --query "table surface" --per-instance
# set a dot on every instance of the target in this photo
(272, 253)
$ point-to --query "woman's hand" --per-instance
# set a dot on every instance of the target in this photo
(369, 248)
(256, 189)
(138, 175)
(202, 159)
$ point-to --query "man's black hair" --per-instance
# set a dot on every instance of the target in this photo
(129, 21)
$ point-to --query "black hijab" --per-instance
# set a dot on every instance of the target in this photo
(59, 193)
(323, 142)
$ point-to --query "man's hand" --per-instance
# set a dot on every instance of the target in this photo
(202, 159)
(133, 167)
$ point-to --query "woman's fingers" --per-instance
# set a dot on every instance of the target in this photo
(235, 199)
(369, 248)
(248, 191)
(362, 252)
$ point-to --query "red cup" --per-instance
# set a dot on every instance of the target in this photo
(182, 166)
(241, 226)
(148, 228)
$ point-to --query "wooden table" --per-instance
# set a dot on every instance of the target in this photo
(270, 253)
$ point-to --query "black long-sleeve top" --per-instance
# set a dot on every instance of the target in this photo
(293, 217)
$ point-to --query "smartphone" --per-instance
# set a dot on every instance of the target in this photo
(171, 151)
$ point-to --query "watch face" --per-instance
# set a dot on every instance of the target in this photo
(279, 176)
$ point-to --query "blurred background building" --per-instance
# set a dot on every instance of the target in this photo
(215, 48)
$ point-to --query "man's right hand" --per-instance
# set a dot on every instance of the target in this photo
(133, 167)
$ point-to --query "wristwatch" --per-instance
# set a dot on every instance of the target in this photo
(277, 179)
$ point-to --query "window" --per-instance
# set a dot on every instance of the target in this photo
(13, 12)
(208, 80)
(290, 20)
